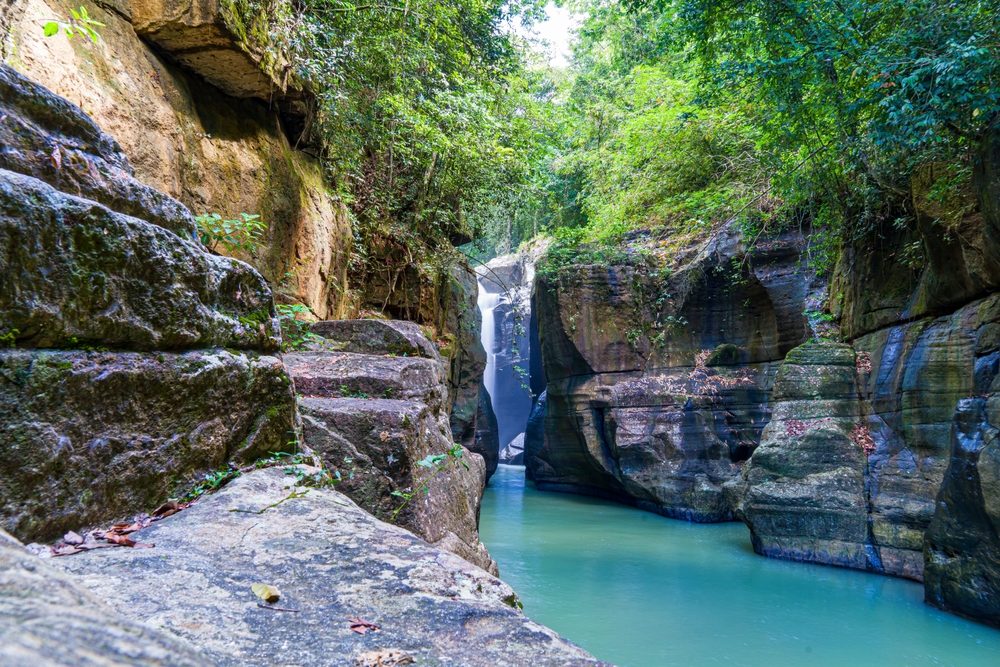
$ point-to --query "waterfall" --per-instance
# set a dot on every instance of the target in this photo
(487, 302)
(505, 338)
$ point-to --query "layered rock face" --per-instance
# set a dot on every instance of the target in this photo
(114, 391)
(333, 564)
(658, 382)
(805, 496)
(850, 467)
(375, 408)
(194, 140)
(907, 489)
(962, 555)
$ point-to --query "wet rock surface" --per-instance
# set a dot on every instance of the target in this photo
(50, 618)
(804, 494)
(332, 563)
(76, 273)
(378, 419)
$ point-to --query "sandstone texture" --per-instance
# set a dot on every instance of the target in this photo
(116, 391)
(49, 618)
(228, 43)
(805, 495)
(187, 138)
(377, 419)
(659, 381)
(333, 564)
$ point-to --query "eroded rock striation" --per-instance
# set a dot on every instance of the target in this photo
(658, 381)
(332, 563)
(375, 408)
(114, 390)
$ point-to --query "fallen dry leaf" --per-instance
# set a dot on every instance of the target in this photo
(169, 508)
(363, 627)
(266, 592)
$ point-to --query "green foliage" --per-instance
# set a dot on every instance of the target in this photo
(825, 115)
(419, 121)
(212, 481)
(242, 235)
(295, 331)
(9, 338)
(79, 24)
(435, 465)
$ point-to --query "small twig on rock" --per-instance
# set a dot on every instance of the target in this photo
(266, 606)
(293, 494)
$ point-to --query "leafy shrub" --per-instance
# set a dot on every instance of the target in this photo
(241, 235)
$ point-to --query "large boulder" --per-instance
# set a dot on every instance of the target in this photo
(87, 437)
(659, 374)
(381, 422)
(73, 272)
(49, 138)
(100, 416)
(49, 618)
(334, 565)
(805, 496)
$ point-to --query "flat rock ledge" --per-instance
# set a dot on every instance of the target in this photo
(332, 562)
(48, 618)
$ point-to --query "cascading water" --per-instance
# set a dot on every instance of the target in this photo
(487, 302)
(504, 304)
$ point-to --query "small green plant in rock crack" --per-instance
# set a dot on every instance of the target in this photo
(319, 479)
(347, 392)
(9, 338)
(295, 333)
(216, 479)
(434, 464)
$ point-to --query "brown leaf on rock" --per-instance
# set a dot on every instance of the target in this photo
(363, 627)
(169, 508)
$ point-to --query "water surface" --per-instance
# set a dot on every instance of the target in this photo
(637, 589)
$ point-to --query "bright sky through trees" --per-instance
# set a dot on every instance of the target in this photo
(554, 35)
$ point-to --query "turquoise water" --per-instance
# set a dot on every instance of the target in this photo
(639, 590)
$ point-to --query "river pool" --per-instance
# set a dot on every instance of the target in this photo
(638, 589)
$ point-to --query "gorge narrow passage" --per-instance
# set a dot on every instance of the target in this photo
(638, 589)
